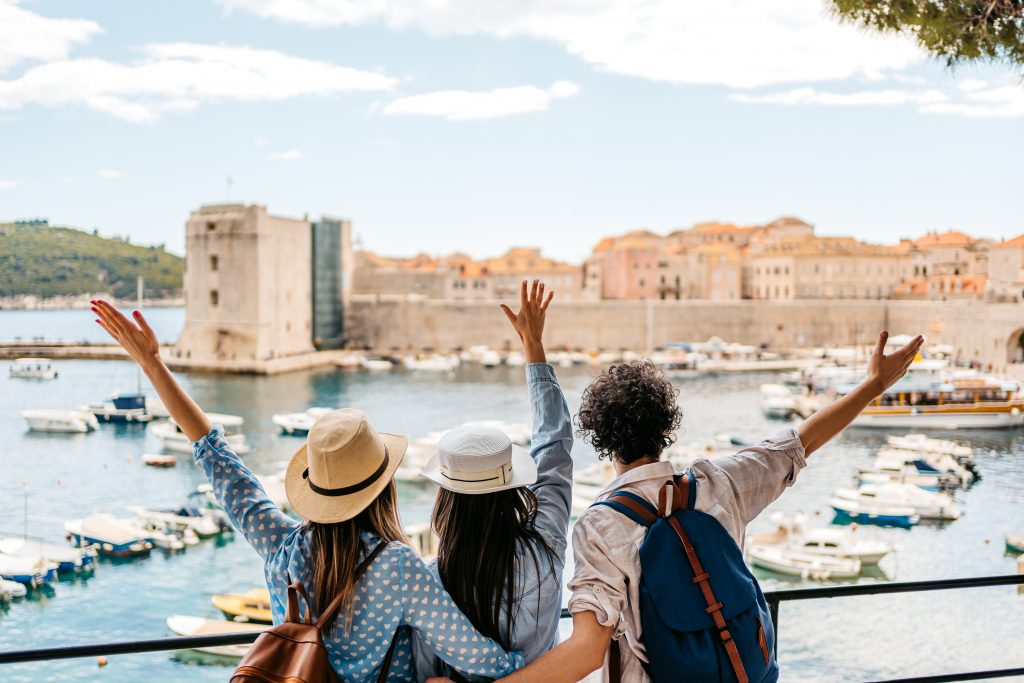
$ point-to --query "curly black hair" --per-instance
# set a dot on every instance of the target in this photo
(629, 412)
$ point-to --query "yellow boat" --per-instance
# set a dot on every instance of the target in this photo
(252, 607)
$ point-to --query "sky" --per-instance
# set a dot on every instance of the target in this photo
(475, 126)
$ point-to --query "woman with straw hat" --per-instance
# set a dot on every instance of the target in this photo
(340, 481)
(502, 513)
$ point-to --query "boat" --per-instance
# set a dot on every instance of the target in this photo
(162, 535)
(12, 589)
(777, 401)
(869, 512)
(491, 359)
(203, 523)
(173, 439)
(431, 363)
(184, 625)
(919, 443)
(793, 532)
(252, 607)
(159, 460)
(350, 361)
(375, 364)
(793, 562)
(1014, 544)
(926, 504)
(33, 368)
(109, 535)
(123, 409)
(60, 421)
(30, 569)
(943, 468)
(683, 455)
(298, 424)
(515, 359)
(67, 559)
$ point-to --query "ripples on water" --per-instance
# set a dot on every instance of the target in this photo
(835, 640)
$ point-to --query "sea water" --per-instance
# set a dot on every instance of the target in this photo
(61, 477)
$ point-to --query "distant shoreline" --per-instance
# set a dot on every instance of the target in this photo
(27, 302)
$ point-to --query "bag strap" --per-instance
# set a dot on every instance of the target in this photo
(292, 614)
(361, 568)
(386, 666)
(632, 506)
(614, 663)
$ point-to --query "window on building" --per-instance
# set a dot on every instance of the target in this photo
(641, 282)
(214, 297)
(210, 225)
(213, 262)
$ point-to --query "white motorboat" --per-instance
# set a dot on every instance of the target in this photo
(184, 625)
(431, 363)
(376, 364)
(60, 421)
(777, 401)
(793, 562)
(795, 533)
(490, 359)
(122, 409)
(33, 368)
(66, 559)
(298, 424)
(162, 535)
(872, 512)
(109, 535)
(30, 569)
(937, 465)
(173, 439)
(12, 589)
(919, 443)
(203, 524)
(924, 504)
(515, 359)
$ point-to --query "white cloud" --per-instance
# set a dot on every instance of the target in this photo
(286, 155)
(9, 184)
(180, 76)
(805, 96)
(25, 35)
(109, 173)
(737, 43)
(983, 100)
(463, 105)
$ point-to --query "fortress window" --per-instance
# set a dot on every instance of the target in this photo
(214, 297)
(213, 263)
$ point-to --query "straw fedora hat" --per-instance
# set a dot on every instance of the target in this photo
(343, 466)
(479, 460)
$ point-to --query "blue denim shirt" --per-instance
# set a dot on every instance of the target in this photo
(539, 598)
(396, 594)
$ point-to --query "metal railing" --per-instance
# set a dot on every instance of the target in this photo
(774, 599)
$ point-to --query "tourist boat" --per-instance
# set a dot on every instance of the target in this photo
(60, 421)
(919, 443)
(12, 589)
(374, 364)
(184, 625)
(777, 401)
(159, 460)
(871, 512)
(1014, 544)
(123, 409)
(33, 368)
(31, 569)
(251, 607)
(298, 424)
(928, 397)
(793, 562)
(925, 504)
(173, 439)
(794, 533)
(431, 363)
(203, 523)
(67, 559)
(109, 535)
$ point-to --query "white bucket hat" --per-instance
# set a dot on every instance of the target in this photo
(479, 460)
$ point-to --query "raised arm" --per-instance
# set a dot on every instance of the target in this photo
(883, 372)
(551, 445)
(138, 340)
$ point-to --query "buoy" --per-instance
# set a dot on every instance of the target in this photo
(101, 661)
(987, 541)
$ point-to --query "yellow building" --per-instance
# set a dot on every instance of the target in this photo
(824, 268)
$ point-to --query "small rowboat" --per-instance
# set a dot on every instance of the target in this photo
(12, 589)
(184, 625)
(250, 607)
(157, 460)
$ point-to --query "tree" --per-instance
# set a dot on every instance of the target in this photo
(956, 31)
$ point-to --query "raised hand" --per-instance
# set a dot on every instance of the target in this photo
(883, 370)
(137, 338)
(529, 321)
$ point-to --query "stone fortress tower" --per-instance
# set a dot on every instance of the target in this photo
(260, 287)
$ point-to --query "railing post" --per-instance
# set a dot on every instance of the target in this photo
(773, 610)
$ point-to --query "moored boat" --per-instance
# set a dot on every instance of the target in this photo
(925, 504)
(920, 443)
(870, 512)
(184, 625)
(795, 533)
(376, 364)
(250, 607)
(431, 363)
(122, 409)
(12, 589)
(298, 424)
(60, 421)
(1014, 544)
(32, 569)
(777, 401)
(792, 562)
(33, 368)
(159, 460)
(173, 439)
(109, 536)
(203, 523)
(67, 559)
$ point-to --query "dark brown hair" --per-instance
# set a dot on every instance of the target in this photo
(335, 549)
(629, 412)
(479, 535)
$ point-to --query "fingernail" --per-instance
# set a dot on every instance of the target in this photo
(135, 313)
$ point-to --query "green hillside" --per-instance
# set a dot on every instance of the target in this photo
(47, 261)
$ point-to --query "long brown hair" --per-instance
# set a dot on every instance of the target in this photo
(335, 549)
(479, 536)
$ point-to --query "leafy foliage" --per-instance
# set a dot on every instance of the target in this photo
(46, 261)
(954, 30)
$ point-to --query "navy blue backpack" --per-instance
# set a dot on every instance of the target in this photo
(703, 615)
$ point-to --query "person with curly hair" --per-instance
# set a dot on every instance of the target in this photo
(629, 414)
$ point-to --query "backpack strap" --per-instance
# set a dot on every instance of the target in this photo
(632, 506)
(328, 613)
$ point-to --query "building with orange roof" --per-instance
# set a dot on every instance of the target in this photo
(527, 263)
(942, 287)
(1006, 270)
(947, 253)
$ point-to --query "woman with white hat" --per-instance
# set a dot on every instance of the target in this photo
(340, 481)
(502, 513)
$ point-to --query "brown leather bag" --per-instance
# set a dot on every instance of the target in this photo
(294, 652)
